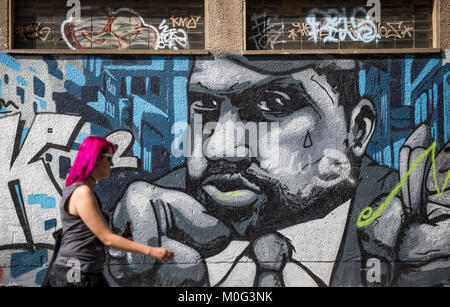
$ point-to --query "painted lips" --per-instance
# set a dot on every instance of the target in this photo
(232, 190)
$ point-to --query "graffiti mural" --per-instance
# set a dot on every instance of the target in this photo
(126, 29)
(299, 171)
(77, 24)
(312, 25)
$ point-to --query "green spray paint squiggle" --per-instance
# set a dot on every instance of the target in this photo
(367, 216)
(228, 195)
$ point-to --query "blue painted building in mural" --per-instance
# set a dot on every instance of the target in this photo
(145, 97)
(20, 86)
(402, 104)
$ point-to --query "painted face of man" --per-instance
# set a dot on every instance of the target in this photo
(302, 173)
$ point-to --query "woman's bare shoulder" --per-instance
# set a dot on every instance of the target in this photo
(82, 191)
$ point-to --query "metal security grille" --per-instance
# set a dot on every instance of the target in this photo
(113, 24)
(339, 25)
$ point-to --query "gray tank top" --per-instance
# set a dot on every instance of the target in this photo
(78, 242)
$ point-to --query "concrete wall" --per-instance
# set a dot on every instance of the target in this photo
(445, 19)
(316, 198)
(4, 28)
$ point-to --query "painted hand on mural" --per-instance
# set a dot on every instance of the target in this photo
(171, 219)
(409, 232)
(156, 216)
(424, 249)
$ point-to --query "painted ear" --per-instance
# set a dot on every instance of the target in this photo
(362, 126)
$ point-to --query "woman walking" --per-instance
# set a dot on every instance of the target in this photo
(85, 226)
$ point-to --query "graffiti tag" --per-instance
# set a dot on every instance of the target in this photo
(367, 216)
(7, 105)
(269, 31)
(394, 30)
(32, 31)
(190, 22)
(337, 22)
(124, 28)
(171, 37)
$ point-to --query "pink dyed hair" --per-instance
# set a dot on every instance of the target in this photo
(87, 157)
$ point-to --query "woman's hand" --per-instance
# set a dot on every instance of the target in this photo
(160, 253)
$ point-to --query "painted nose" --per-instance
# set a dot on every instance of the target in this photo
(231, 139)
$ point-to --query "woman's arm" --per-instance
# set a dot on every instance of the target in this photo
(83, 203)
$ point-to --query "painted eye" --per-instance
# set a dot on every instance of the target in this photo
(205, 104)
(274, 102)
(263, 106)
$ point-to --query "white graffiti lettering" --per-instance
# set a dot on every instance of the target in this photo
(124, 27)
(336, 22)
(124, 140)
(171, 37)
(20, 192)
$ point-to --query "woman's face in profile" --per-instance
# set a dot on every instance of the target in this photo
(104, 164)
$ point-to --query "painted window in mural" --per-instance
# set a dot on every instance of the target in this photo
(103, 24)
(336, 25)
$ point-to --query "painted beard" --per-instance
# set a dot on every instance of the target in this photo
(275, 207)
